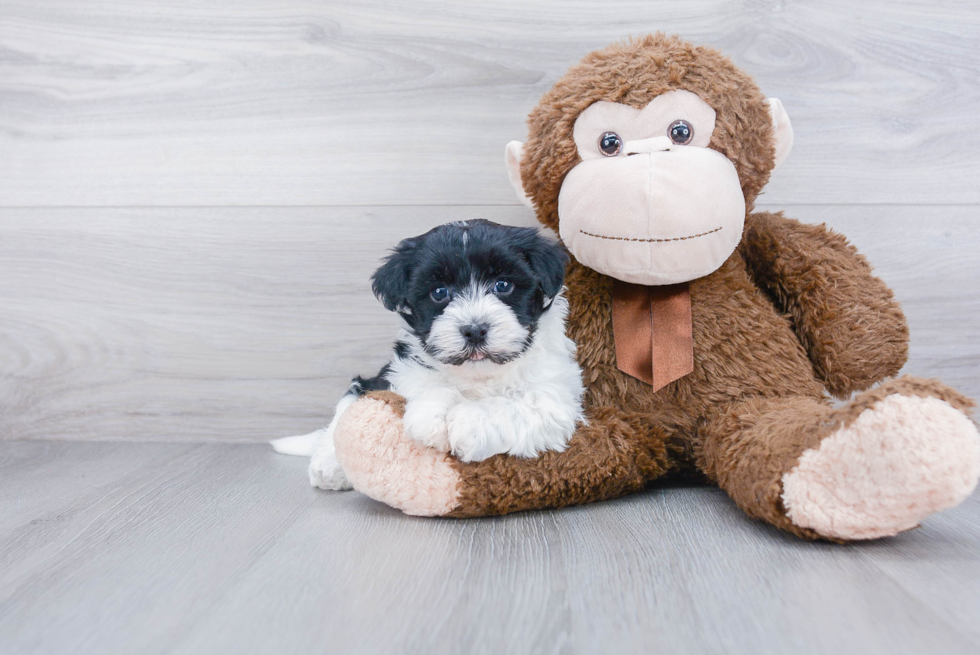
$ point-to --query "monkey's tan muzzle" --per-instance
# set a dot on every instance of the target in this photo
(664, 215)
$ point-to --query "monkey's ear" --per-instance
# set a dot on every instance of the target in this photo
(782, 130)
(512, 157)
(391, 282)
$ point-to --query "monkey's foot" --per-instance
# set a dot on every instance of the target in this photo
(382, 462)
(902, 459)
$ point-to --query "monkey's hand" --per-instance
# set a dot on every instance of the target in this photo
(846, 318)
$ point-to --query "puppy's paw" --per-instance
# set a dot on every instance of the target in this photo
(326, 472)
(425, 423)
(474, 433)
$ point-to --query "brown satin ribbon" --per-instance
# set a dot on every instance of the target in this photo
(652, 330)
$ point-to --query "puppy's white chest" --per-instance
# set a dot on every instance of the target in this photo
(489, 380)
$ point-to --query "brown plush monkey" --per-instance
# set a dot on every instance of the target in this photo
(708, 334)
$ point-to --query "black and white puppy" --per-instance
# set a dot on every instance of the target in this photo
(482, 358)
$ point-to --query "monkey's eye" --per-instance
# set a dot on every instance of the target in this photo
(680, 132)
(503, 287)
(610, 144)
(439, 294)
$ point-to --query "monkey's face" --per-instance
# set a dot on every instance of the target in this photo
(646, 156)
(650, 203)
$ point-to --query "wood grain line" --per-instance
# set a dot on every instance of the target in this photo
(302, 102)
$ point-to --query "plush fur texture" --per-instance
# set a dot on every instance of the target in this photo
(794, 313)
(386, 466)
(903, 459)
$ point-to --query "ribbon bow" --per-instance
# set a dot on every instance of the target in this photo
(652, 331)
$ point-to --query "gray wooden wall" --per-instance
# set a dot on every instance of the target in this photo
(193, 194)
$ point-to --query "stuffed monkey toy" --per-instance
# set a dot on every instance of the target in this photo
(709, 336)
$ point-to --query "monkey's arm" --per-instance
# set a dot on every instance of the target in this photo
(616, 453)
(847, 319)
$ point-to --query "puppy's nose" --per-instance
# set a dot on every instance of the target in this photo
(474, 333)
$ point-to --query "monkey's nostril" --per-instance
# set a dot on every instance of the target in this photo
(648, 146)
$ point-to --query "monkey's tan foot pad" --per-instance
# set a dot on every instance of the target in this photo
(903, 459)
(381, 462)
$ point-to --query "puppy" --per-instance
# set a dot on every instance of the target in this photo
(482, 358)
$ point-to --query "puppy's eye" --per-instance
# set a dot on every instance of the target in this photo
(610, 144)
(503, 287)
(680, 132)
(439, 294)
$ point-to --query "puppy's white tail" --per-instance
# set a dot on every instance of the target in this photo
(302, 445)
(305, 444)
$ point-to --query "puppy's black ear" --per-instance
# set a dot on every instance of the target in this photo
(548, 260)
(390, 283)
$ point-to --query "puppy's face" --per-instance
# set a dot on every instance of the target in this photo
(474, 290)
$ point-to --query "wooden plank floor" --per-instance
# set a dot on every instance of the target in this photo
(221, 548)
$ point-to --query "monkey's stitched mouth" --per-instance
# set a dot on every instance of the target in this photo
(693, 236)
